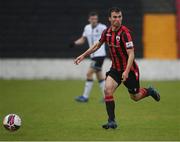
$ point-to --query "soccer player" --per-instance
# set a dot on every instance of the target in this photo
(92, 32)
(124, 68)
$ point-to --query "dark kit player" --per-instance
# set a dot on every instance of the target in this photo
(124, 68)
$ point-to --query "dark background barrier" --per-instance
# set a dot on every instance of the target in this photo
(158, 6)
(44, 28)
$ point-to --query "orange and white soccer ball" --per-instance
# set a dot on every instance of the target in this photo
(12, 122)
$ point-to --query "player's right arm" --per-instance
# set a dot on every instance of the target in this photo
(92, 49)
(77, 42)
(80, 41)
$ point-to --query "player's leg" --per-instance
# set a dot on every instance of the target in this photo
(111, 83)
(145, 92)
(137, 93)
(101, 80)
(87, 87)
(97, 66)
(110, 87)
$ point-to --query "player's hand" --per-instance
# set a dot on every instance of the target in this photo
(78, 59)
(72, 44)
(125, 75)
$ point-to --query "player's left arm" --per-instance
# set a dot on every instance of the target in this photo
(129, 63)
(130, 51)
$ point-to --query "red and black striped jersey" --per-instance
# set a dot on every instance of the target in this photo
(118, 42)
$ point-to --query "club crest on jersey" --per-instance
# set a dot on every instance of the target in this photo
(118, 38)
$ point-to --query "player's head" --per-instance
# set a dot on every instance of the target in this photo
(93, 18)
(115, 16)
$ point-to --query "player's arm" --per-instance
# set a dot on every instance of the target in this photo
(78, 42)
(92, 49)
(130, 51)
(81, 40)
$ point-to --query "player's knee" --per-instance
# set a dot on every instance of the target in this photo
(133, 97)
(89, 75)
(133, 91)
(108, 91)
(100, 77)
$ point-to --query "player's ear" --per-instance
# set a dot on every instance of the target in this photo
(109, 19)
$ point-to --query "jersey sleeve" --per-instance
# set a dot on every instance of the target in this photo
(127, 39)
(103, 37)
(104, 27)
(84, 32)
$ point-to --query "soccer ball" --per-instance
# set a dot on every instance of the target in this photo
(12, 122)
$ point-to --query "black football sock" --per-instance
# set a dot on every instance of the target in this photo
(110, 106)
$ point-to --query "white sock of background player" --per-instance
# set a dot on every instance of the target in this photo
(87, 88)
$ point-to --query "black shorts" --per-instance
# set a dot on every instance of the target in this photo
(132, 82)
(97, 63)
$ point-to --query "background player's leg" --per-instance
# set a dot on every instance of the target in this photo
(89, 82)
(101, 81)
(87, 87)
(97, 65)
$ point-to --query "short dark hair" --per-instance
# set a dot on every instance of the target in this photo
(113, 9)
(93, 13)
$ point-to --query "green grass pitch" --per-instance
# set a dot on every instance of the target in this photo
(49, 112)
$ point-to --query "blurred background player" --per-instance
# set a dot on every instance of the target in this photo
(92, 32)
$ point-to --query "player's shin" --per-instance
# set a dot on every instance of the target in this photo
(143, 92)
(110, 107)
(101, 85)
(87, 88)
